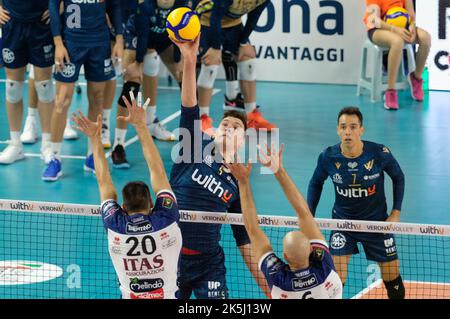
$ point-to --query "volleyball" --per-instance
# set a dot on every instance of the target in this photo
(183, 24)
(398, 17)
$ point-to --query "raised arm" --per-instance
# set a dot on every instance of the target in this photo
(93, 131)
(273, 159)
(137, 117)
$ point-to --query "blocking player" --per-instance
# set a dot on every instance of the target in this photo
(224, 18)
(395, 38)
(309, 272)
(26, 39)
(357, 168)
(81, 37)
(144, 239)
(202, 257)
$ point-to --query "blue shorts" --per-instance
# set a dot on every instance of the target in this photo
(203, 275)
(25, 43)
(378, 247)
(229, 39)
(98, 66)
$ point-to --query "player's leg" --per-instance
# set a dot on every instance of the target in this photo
(211, 282)
(415, 78)
(393, 282)
(233, 98)
(30, 133)
(206, 79)
(342, 246)
(46, 101)
(341, 264)
(395, 43)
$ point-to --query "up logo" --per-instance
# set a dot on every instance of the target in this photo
(68, 70)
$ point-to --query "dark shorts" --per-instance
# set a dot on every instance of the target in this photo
(98, 66)
(378, 247)
(370, 34)
(203, 275)
(229, 39)
(158, 41)
(25, 43)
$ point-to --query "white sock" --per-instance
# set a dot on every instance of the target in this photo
(249, 107)
(106, 114)
(151, 114)
(232, 89)
(32, 111)
(46, 138)
(56, 150)
(15, 138)
(89, 151)
(119, 137)
(204, 110)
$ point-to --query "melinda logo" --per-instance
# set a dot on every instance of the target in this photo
(211, 184)
(27, 272)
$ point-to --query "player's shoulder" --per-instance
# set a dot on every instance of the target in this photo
(376, 148)
(330, 151)
(166, 205)
(110, 207)
(270, 262)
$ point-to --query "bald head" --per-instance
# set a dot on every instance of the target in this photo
(296, 248)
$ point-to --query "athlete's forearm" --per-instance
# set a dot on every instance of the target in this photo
(142, 20)
(248, 209)
(189, 87)
(55, 17)
(104, 180)
(251, 22)
(117, 16)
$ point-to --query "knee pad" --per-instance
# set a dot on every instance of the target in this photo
(247, 70)
(44, 90)
(128, 87)
(151, 64)
(14, 93)
(31, 72)
(395, 288)
(230, 65)
(208, 74)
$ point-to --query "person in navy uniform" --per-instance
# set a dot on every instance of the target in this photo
(201, 182)
(81, 37)
(144, 239)
(357, 168)
(309, 272)
(26, 39)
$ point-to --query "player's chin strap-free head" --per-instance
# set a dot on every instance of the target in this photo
(136, 197)
(296, 249)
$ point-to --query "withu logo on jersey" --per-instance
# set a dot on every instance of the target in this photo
(210, 183)
(356, 192)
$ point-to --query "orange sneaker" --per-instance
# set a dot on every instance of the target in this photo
(257, 121)
(207, 126)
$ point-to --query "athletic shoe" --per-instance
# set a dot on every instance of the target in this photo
(207, 126)
(391, 100)
(257, 121)
(69, 132)
(236, 104)
(53, 171)
(89, 164)
(160, 132)
(416, 87)
(12, 153)
(106, 136)
(46, 153)
(119, 157)
(30, 134)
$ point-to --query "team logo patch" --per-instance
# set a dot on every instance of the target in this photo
(338, 241)
(68, 70)
(369, 165)
(337, 178)
(386, 150)
(352, 165)
(318, 254)
(338, 165)
(167, 202)
(8, 55)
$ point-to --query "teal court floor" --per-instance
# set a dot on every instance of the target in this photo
(418, 135)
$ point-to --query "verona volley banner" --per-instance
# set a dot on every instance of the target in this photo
(311, 41)
(434, 16)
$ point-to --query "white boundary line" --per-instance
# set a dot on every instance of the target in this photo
(62, 156)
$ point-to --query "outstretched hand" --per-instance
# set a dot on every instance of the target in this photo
(136, 111)
(87, 127)
(240, 172)
(273, 160)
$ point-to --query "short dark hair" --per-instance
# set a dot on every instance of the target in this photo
(351, 110)
(236, 114)
(136, 196)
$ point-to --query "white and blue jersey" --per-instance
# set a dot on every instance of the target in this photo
(319, 281)
(145, 249)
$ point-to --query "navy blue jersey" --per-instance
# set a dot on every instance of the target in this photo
(203, 183)
(358, 182)
(26, 11)
(84, 22)
(227, 14)
(319, 281)
(151, 18)
(145, 249)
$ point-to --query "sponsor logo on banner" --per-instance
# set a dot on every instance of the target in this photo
(185, 216)
(290, 223)
(27, 272)
(432, 230)
(348, 225)
(21, 206)
(268, 221)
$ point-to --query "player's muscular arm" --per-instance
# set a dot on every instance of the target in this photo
(137, 117)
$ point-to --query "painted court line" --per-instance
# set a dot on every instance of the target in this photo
(367, 289)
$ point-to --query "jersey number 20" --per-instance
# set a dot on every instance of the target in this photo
(147, 242)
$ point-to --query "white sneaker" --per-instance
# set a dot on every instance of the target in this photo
(30, 134)
(11, 154)
(69, 132)
(46, 153)
(160, 132)
(106, 136)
